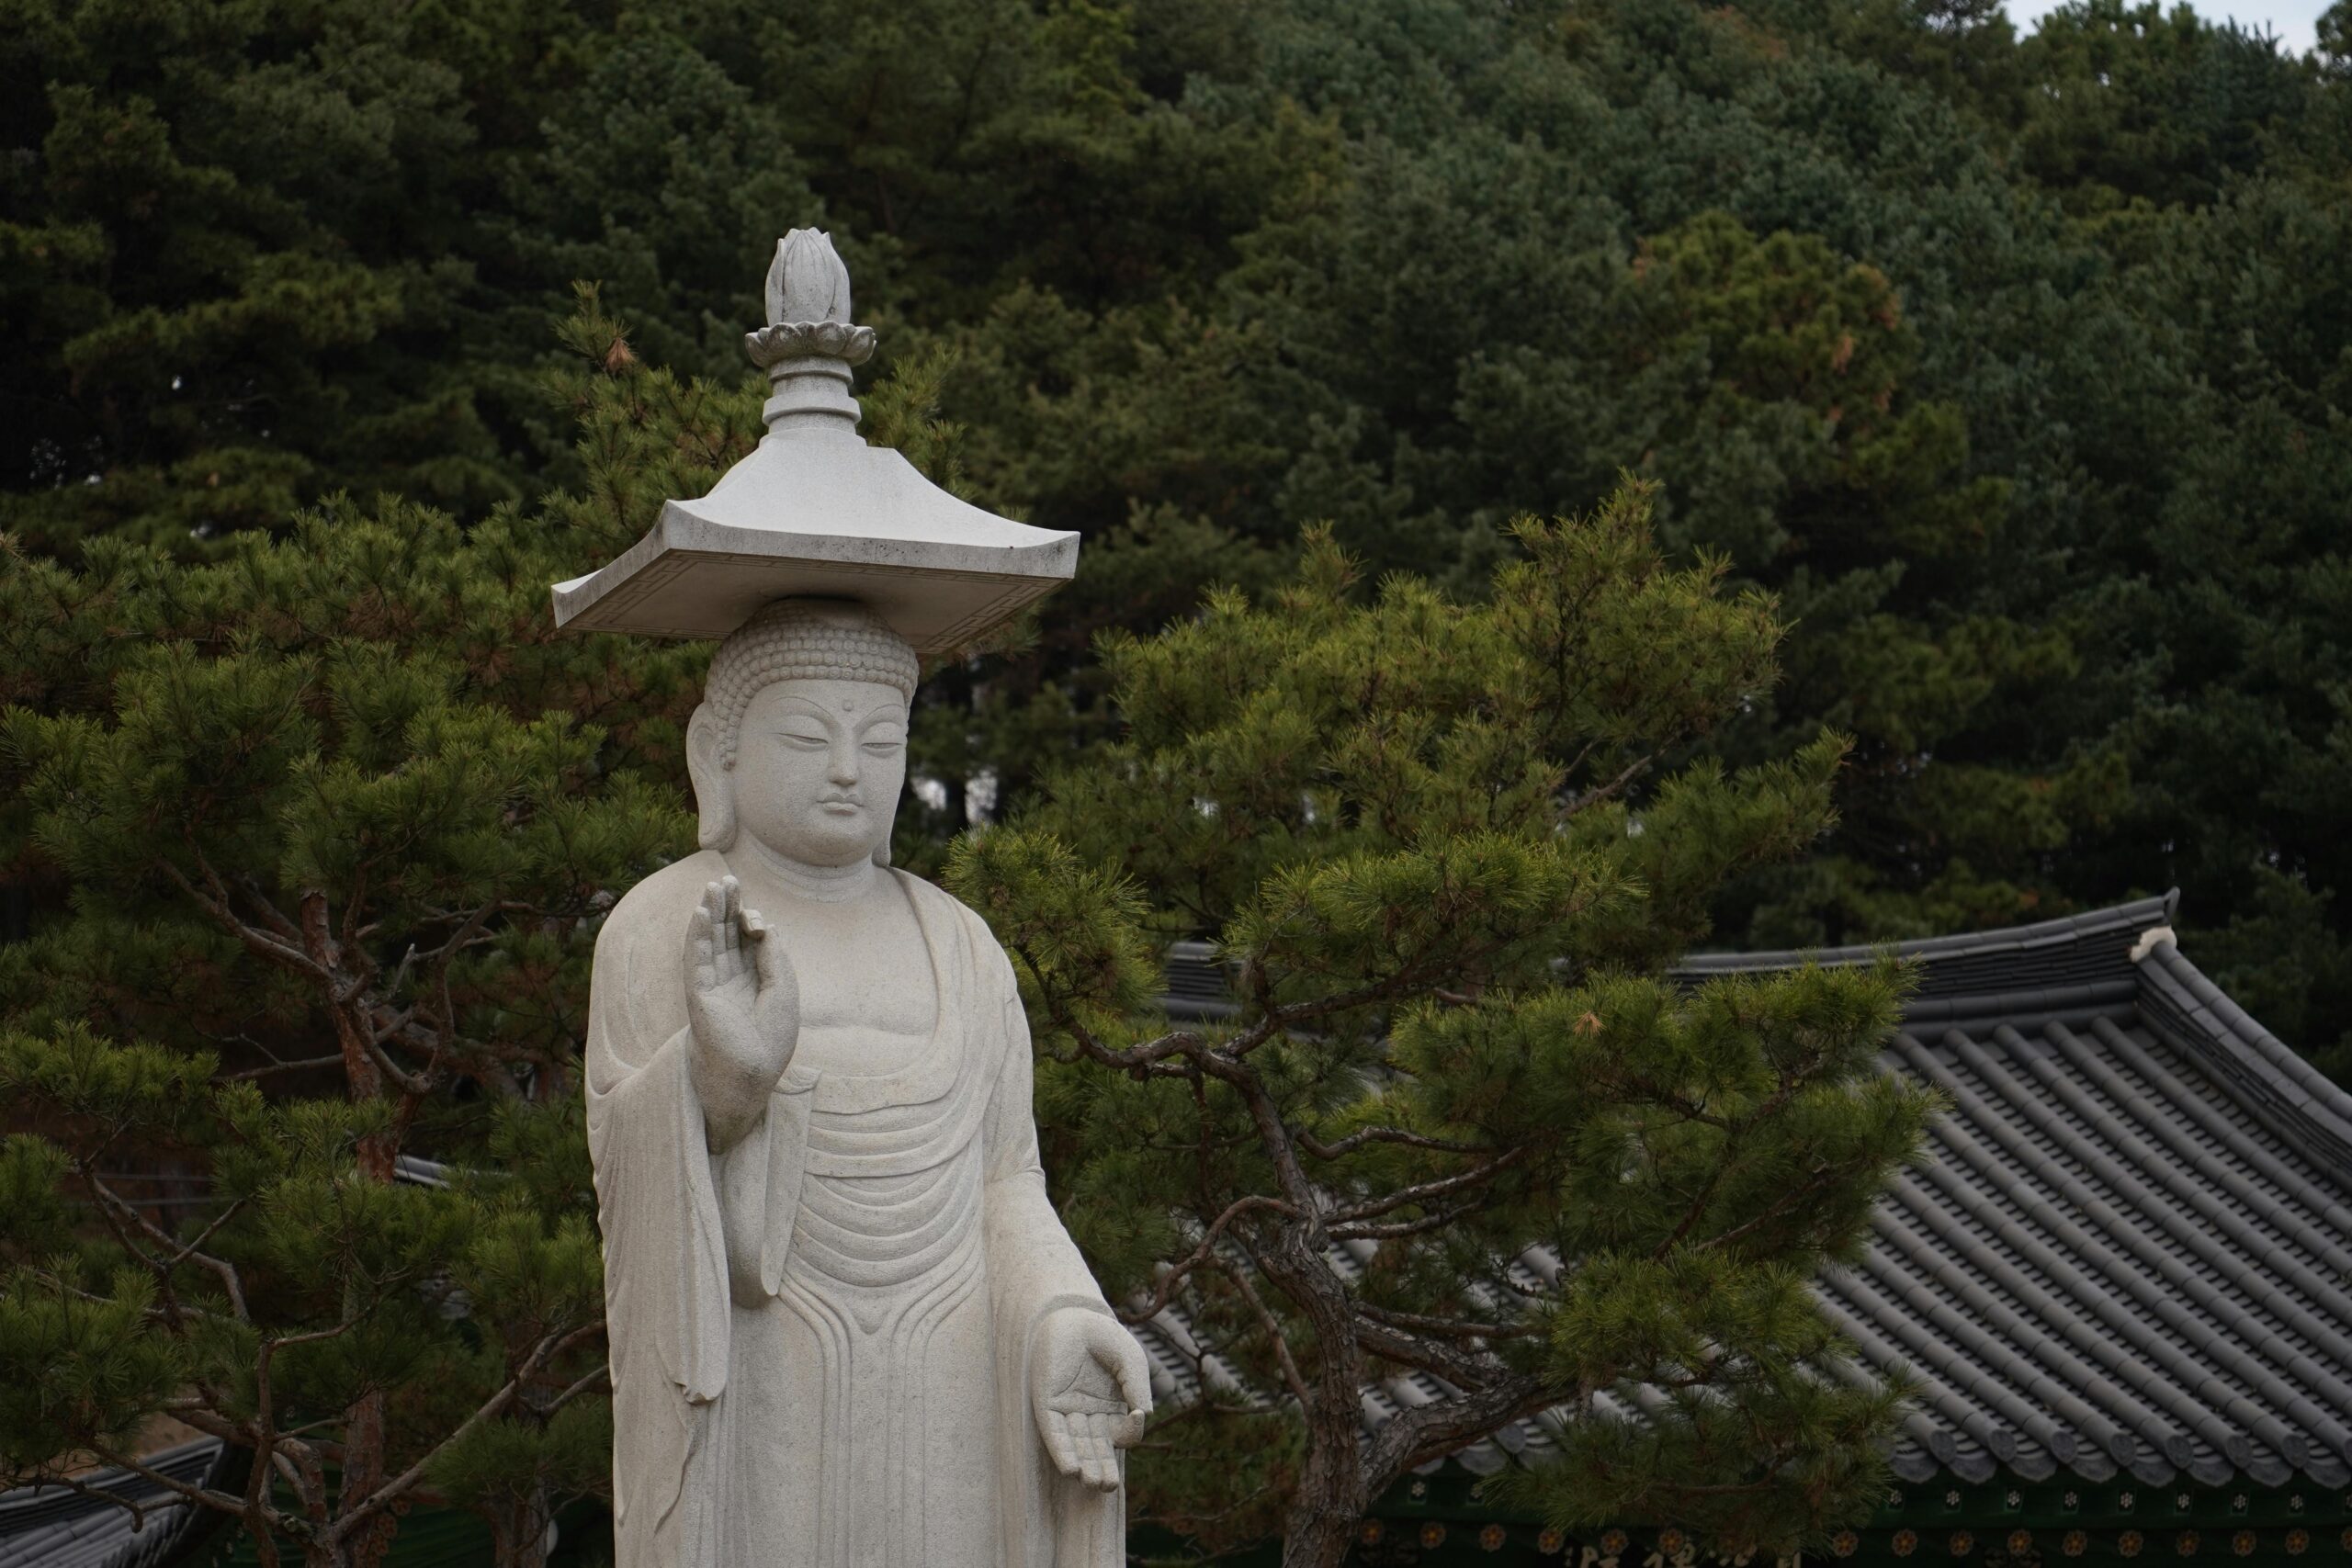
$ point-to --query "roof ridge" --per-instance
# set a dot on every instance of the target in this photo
(2076, 963)
(2136, 916)
(2254, 1067)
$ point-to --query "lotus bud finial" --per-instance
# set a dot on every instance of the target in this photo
(807, 282)
(807, 299)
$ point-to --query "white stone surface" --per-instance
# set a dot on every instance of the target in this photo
(816, 511)
(847, 1328)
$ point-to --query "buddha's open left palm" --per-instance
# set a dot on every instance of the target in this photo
(1090, 1390)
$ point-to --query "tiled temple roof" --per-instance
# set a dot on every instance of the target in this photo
(2127, 1250)
(57, 1527)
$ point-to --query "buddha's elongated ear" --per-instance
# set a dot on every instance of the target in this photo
(714, 790)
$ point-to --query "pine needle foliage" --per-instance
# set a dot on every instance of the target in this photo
(309, 837)
(1460, 1125)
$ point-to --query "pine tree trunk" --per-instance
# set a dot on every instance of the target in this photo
(1317, 1537)
(363, 1472)
(1321, 1524)
(518, 1532)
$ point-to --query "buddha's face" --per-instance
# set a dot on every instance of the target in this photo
(817, 768)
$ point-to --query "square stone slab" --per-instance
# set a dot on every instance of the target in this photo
(819, 512)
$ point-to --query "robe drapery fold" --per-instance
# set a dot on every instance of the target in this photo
(813, 1332)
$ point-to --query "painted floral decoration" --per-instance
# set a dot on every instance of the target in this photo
(1370, 1532)
(1550, 1542)
(2298, 1542)
(1432, 1535)
(1906, 1542)
(2129, 1543)
(1491, 1537)
(2020, 1542)
(2186, 1544)
(2076, 1543)
(1844, 1543)
(2243, 1543)
(1611, 1542)
(1962, 1543)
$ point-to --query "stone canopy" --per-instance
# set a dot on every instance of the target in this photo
(816, 511)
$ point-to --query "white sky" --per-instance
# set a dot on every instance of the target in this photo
(2295, 21)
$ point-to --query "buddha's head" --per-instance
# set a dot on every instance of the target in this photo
(801, 738)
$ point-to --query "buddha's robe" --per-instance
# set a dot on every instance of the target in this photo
(820, 1337)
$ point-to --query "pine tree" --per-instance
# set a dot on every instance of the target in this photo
(229, 281)
(314, 837)
(1963, 343)
(1429, 845)
(1212, 272)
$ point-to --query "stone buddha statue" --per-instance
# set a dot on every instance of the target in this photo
(848, 1329)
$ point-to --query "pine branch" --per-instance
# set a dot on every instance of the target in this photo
(550, 1347)
(598, 1381)
(202, 1411)
(1452, 1327)
(1292, 1378)
(1173, 1277)
(307, 1063)
(1821, 1180)
(113, 1203)
(260, 900)
(1735, 1134)
(1396, 1230)
(1601, 792)
(1415, 1435)
(1457, 1370)
(415, 1086)
(1422, 1193)
(204, 1496)
(298, 1462)
(261, 943)
(1349, 1144)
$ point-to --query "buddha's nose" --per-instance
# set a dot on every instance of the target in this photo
(844, 771)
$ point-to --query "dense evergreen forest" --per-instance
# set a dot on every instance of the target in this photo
(2018, 366)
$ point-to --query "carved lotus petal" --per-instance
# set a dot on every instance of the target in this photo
(804, 340)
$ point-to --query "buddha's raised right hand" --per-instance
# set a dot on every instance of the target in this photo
(743, 1005)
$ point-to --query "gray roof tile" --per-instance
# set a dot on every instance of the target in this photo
(57, 1527)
